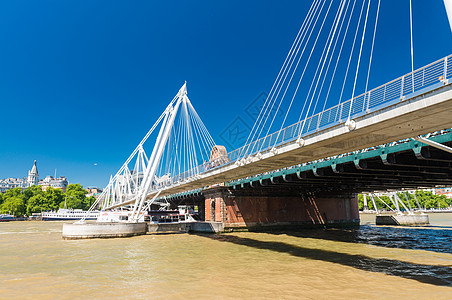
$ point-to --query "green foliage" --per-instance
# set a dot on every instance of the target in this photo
(15, 192)
(54, 198)
(34, 200)
(89, 201)
(361, 202)
(76, 187)
(427, 200)
(13, 205)
(76, 197)
(31, 191)
(36, 204)
(378, 201)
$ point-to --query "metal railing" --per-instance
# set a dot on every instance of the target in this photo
(400, 89)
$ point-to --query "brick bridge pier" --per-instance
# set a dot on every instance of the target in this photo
(265, 208)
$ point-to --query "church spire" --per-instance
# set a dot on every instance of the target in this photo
(34, 169)
(33, 176)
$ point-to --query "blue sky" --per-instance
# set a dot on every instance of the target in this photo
(81, 82)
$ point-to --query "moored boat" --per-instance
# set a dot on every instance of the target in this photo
(6, 218)
(114, 216)
(69, 214)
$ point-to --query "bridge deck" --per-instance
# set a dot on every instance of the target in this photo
(405, 160)
(404, 164)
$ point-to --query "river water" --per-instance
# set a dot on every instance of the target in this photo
(370, 262)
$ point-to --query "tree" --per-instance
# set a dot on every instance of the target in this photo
(423, 197)
(13, 205)
(76, 196)
(370, 204)
(31, 191)
(442, 201)
(360, 201)
(33, 199)
(15, 192)
(36, 204)
(89, 201)
(55, 197)
(427, 200)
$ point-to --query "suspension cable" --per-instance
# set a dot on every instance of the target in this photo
(412, 55)
(372, 48)
(301, 33)
(359, 60)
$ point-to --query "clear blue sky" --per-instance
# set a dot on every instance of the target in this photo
(81, 82)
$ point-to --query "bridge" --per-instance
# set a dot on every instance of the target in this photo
(407, 116)
(312, 167)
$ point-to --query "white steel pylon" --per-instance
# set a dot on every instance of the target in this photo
(182, 146)
(149, 174)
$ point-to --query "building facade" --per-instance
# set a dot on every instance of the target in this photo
(56, 183)
(447, 191)
(23, 183)
(11, 183)
(33, 179)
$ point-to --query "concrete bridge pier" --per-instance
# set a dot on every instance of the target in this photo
(279, 208)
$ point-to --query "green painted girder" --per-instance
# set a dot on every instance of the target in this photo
(186, 193)
(381, 151)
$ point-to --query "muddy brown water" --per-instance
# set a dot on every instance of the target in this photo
(369, 262)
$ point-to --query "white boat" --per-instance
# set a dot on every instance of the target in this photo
(114, 216)
(182, 214)
(69, 214)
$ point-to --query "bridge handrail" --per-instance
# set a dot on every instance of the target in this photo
(397, 84)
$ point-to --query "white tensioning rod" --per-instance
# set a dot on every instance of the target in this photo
(448, 5)
(412, 53)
